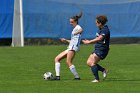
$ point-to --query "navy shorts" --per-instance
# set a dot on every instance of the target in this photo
(101, 53)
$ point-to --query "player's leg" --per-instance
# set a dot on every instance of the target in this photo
(61, 56)
(100, 68)
(103, 70)
(102, 54)
(70, 57)
(92, 62)
(58, 58)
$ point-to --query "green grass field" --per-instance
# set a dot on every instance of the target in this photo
(21, 70)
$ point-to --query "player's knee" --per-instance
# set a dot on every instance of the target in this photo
(90, 63)
(57, 59)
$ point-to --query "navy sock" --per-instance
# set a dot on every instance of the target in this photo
(100, 68)
(94, 70)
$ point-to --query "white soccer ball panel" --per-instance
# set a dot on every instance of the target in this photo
(48, 76)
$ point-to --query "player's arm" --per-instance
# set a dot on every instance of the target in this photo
(64, 40)
(79, 31)
(97, 39)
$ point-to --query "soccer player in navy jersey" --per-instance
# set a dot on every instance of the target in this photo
(101, 42)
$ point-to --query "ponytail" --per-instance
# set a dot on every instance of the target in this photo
(80, 15)
(77, 17)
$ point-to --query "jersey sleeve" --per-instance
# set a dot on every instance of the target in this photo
(104, 32)
(79, 27)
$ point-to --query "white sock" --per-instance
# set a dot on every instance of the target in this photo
(57, 68)
(74, 72)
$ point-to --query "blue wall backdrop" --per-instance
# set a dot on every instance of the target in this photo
(50, 18)
(6, 18)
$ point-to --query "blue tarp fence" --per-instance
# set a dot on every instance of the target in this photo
(6, 18)
(50, 18)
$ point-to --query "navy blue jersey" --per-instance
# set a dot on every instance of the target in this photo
(104, 44)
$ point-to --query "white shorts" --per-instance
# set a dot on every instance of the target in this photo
(76, 49)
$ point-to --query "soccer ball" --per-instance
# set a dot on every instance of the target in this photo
(48, 76)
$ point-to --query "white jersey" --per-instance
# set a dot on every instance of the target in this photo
(75, 39)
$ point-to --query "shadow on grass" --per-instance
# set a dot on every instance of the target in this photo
(121, 79)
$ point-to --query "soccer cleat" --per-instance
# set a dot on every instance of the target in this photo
(95, 81)
(77, 79)
(105, 73)
(57, 78)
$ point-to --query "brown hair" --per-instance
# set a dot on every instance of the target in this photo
(102, 19)
(76, 18)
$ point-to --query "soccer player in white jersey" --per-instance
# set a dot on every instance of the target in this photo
(69, 53)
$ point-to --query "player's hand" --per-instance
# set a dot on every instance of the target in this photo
(86, 41)
(63, 39)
